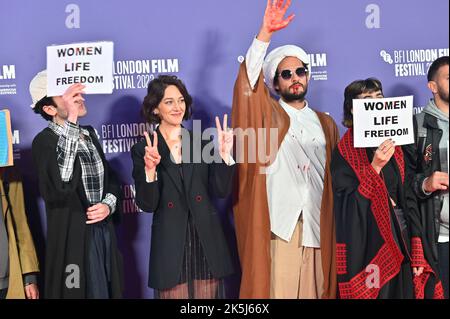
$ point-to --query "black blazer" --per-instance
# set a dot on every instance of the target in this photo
(171, 198)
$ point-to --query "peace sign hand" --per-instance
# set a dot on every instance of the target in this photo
(225, 138)
(151, 156)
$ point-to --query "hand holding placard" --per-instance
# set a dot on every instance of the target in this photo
(85, 63)
(375, 120)
(73, 100)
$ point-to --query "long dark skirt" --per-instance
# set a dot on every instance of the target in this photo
(196, 280)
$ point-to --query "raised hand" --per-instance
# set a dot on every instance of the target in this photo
(151, 156)
(274, 18)
(383, 154)
(225, 135)
(72, 98)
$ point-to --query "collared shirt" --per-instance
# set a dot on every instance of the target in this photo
(74, 140)
(294, 181)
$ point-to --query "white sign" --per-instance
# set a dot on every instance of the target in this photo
(376, 120)
(89, 63)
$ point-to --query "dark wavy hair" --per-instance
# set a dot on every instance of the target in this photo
(155, 93)
(352, 91)
(39, 107)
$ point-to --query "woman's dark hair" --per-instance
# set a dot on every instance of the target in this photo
(39, 107)
(155, 93)
(352, 91)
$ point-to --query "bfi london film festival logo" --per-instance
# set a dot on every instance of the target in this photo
(128, 74)
(318, 65)
(412, 63)
(16, 146)
(7, 79)
(119, 138)
(136, 74)
(406, 63)
(128, 201)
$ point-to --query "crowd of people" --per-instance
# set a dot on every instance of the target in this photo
(317, 219)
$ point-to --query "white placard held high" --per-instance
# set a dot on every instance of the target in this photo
(89, 63)
(376, 120)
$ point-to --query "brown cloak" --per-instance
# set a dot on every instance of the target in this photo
(256, 109)
(22, 254)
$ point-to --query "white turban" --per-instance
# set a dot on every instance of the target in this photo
(38, 87)
(274, 58)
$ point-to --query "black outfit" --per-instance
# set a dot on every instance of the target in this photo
(443, 257)
(426, 154)
(194, 259)
(70, 241)
(373, 239)
(183, 211)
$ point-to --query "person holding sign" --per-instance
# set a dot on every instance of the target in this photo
(189, 256)
(376, 213)
(284, 222)
(431, 127)
(81, 195)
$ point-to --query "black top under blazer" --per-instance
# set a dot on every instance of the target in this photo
(171, 198)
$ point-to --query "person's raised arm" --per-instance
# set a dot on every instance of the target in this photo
(145, 161)
(273, 21)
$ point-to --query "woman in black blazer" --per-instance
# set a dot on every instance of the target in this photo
(189, 255)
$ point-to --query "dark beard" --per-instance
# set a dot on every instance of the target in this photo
(291, 97)
(443, 95)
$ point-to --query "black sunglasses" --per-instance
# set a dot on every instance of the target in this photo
(287, 74)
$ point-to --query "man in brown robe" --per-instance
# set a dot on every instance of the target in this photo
(265, 231)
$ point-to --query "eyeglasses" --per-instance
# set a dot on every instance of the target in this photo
(287, 74)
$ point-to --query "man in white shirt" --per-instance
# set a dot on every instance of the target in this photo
(284, 223)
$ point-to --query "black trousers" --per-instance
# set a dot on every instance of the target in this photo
(3, 293)
(443, 265)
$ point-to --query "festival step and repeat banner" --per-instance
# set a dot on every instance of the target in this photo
(202, 42)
